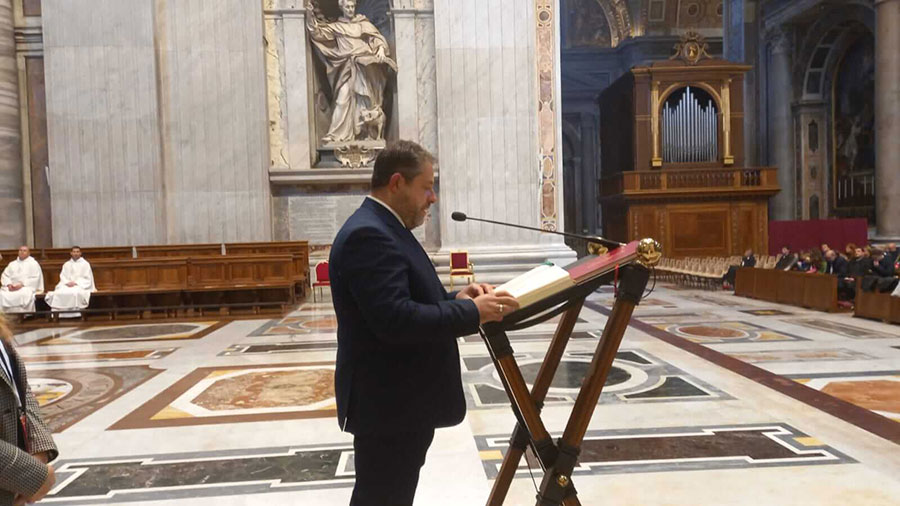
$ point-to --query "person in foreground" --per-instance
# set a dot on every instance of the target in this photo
(25, 451)
(397, 374)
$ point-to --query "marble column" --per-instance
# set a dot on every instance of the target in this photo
(887, 118)
(498, 131)
(781, 130)
(12, 210)
(741, 45)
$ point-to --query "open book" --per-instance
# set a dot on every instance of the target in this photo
(538, 283)
(548, 279)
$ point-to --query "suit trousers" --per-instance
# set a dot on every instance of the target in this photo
(387, 467)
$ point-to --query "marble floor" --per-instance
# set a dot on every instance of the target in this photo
(713, 399)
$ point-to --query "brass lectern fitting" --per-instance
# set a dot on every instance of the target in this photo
(649, 252)
(563, 480)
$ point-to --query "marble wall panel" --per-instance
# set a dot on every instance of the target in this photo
(102, 122)
(156, 121)
(214, 131)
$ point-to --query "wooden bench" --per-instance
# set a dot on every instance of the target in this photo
(299, 250)
(183, 286)
(876, 305)
(802, 289)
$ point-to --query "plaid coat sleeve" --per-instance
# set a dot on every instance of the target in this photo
(39, 434)
(20, 473)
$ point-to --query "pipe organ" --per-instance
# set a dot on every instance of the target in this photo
(689, 128)
(672, 157)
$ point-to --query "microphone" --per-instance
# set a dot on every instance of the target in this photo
(458, 216)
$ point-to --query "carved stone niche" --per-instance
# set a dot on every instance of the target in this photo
(353, 81)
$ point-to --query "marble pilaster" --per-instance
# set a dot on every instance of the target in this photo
(498, 153)
(212, 100)
(780, 125)
(12, 210)
(407, 74)
(887, 118)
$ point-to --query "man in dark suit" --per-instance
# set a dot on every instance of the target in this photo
(838, 266)
(397, 374)
(787, 259)
(748, 260)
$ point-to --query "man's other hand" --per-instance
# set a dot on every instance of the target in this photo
(475, 290)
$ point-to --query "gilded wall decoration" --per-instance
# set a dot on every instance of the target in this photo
(548, 152)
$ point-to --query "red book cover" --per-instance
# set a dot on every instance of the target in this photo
(591, 267)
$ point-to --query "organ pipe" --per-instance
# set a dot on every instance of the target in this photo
(690, 130)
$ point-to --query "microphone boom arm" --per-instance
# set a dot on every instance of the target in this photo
(596, 240)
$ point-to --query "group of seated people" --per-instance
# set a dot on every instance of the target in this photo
(877, 267)
(23, 280)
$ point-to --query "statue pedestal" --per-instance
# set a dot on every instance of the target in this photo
(349, 155)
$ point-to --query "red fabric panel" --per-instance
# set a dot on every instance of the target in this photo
(459, 260)
(322, 272)
(810, 234)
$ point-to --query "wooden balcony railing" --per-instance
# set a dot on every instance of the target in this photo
(690, 181)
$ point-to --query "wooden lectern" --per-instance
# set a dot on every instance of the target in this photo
(558, 459)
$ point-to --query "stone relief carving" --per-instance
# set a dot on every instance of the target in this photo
(356, 57)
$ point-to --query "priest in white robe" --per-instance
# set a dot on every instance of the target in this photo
(21, 280)
(76, 282)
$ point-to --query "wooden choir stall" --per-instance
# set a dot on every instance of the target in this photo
(673, 158)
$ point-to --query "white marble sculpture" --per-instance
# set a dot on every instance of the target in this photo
(355, 55)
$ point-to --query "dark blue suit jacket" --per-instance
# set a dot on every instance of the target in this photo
(397, 364)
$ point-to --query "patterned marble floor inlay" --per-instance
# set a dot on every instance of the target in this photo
(645, 303)
(252, 393)
(683, 448)
(68, 395)
(134, 333)
(766, 312)
(297, 324)
(727, 332)
(756, 357)
(219, 473)
(875, 391)
(636, 376)
(98, 356)
(275, 348)
(678, 317)
(843, 329)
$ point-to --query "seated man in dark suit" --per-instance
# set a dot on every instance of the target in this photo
(786, 260)
(748, 260)
(881, 264)
(839, 267)
(891, 253)
(397, 375)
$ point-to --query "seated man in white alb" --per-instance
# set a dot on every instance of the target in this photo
(21, 279)
(76, 282)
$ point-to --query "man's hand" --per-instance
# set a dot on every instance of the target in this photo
(70, 284)
(475, 290)
(45, 488)
(493, 306)
(44, 457)
(15, 287)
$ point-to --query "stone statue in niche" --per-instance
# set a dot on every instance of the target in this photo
(357, 62)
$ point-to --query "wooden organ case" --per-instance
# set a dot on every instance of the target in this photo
(672, 155)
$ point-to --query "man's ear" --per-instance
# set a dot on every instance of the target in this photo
(394, 182)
